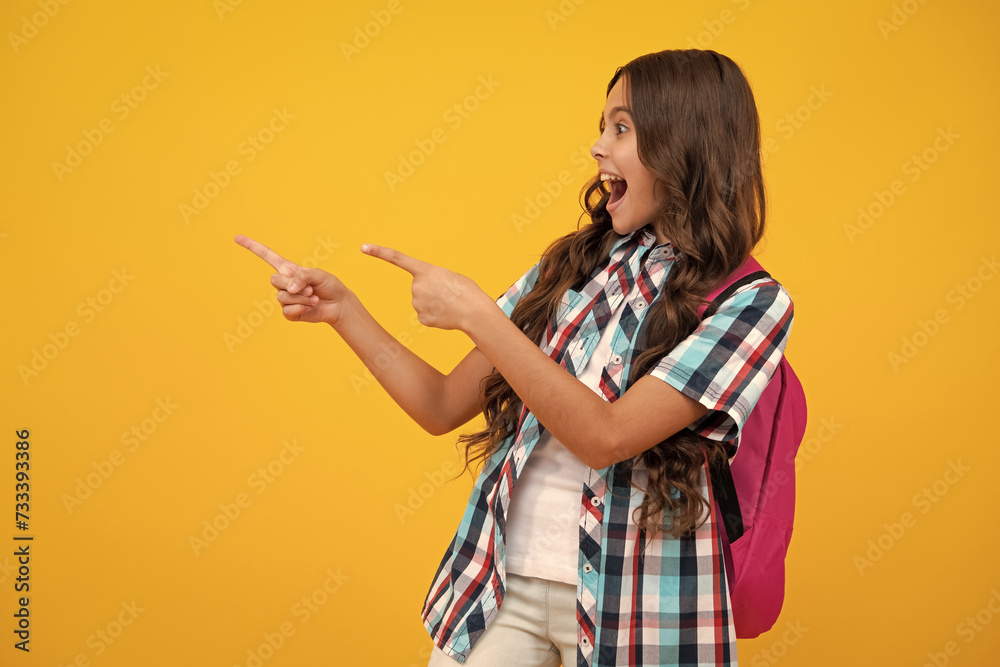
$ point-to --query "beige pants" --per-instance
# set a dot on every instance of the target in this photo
(535, 627)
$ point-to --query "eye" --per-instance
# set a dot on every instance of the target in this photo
(620, 125)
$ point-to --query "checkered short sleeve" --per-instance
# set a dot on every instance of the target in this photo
(508, 300)
(726, 363)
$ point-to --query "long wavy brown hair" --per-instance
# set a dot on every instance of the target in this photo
(698, 132)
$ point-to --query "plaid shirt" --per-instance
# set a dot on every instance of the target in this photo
(641, 600)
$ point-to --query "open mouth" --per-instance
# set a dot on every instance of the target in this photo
(618, 188)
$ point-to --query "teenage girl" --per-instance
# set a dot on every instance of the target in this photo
(606, 398)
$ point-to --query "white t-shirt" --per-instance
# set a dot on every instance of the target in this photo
(543, 519)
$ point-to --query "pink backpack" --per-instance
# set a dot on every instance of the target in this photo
(756, 496)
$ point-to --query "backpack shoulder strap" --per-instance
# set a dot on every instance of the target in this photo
(732, 288)
(748, 272)
(723, 486)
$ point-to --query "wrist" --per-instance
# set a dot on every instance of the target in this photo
(349, 305)
(479, 316)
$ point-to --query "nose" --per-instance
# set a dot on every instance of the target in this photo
(597, 150)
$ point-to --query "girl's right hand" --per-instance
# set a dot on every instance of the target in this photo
(305, 295)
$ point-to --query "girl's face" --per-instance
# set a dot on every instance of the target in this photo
(633, 203)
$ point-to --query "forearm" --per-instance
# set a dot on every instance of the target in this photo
(571, 411)
(416, 386)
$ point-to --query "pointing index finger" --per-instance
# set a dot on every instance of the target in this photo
(282, 265)
(409, 264)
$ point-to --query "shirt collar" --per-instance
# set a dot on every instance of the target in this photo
(645, 238)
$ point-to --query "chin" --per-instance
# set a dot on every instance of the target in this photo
(621, 227)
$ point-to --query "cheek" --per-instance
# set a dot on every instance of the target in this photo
(648, 190)
(658, 190)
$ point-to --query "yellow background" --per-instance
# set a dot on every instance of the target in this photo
(848, 94)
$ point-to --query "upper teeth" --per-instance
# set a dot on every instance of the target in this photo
(611, 177)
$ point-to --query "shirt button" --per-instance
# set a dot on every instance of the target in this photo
(640, 304)
(588, 567)
(595, 501)
(585, 641)
(617, 359)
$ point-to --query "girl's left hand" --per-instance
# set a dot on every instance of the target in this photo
(443, 299)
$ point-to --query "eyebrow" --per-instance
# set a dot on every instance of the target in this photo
(616, 110)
